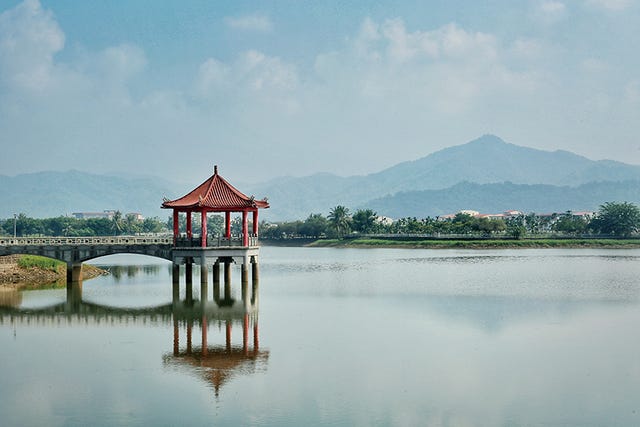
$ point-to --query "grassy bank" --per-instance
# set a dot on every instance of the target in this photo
(478, 244)
(35, 272)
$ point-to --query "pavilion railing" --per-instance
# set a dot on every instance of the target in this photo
(215, 241)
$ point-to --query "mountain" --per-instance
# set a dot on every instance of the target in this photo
(487, 174)
(485, 160)
(48, 194)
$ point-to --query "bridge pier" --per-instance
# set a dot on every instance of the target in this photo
(74, 272)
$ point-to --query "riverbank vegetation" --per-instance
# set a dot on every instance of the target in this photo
(612, 221)
(118, 224)
(30, 271)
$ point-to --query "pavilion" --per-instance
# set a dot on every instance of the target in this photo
(215, 195)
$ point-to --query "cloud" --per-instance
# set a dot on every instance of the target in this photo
(551, 11)
(614, 5)
(29, 38)
(259, 23)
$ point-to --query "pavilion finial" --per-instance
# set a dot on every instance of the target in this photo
(215, 169)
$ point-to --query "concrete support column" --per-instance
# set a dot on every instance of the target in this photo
(204, 283)
(255, 282)
(227, 280)
(216, 281)
(189, 279)
(74, 272)
(175, 276)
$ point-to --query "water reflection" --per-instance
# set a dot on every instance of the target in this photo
(118, 272)
(216, 358)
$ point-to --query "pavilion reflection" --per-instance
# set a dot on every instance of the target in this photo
(215, 337)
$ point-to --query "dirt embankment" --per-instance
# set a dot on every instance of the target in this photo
(13, 275)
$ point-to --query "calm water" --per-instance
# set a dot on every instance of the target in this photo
(342, 337)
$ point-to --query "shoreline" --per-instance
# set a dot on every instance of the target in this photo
(13, 276)
(478, 244)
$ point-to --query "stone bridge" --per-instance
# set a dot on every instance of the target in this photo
(75, 250)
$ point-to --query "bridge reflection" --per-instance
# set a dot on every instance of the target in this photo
(203, 330)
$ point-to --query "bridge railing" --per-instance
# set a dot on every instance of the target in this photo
(79, 241)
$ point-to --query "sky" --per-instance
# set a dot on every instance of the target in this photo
(271, 88)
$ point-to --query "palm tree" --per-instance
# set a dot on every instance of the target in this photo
(116, 223)
(340, 220)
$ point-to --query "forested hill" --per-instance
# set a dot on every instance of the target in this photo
(485, 160)
(497, 198)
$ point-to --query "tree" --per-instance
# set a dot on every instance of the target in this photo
(117, 223)
(314, 226)
(340, 220)
(364, 221)
(570, 224)
(619, 219)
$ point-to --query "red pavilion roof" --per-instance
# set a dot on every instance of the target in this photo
(216, 194)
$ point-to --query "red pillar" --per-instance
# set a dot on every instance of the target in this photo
(203, 221)
(245, 229)
(176, 226)
(227, 222)
(189, 230)
(255, 223)
(228, 340)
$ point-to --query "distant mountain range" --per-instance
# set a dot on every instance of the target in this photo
(487, 174)
(486, 160)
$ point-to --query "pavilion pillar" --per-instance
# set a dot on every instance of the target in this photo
(203, 221)
(189, 335)
(245, 229)
(176, 225)
(189, 226)
(255, 223)
(227, 225)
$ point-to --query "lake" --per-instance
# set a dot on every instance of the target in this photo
(341, 337)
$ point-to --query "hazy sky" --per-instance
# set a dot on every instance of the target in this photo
(265, 89)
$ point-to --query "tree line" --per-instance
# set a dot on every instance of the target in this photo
(619, 219)
(612, 219)
(118, 224)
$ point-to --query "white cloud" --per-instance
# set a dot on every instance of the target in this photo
(614, 5)
(29, 38)
(260, 23)
(550, 11)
